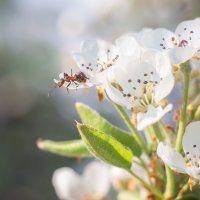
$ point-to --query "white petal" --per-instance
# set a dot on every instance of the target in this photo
(160, 39)
(116, 96)
(151, 116)
(193, 172)
(134, 70)
(96, 179)
(180, 55)
(195, 63)
(117, 173)
(191, 140)
(171, 157)
(66, 183)
(163, 64)
(189, 31)
(92, 53)
(141, 35)
(128, 46)
(164, 87)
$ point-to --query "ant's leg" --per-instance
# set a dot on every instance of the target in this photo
(71, 72)
(68, 86)
(76, 85)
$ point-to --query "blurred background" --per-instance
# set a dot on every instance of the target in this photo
(36, 38)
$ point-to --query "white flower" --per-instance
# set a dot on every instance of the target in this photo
(180, 45)
(120, 178)
(141, 84)
(94, 183)
(191, 146)
(96, 58)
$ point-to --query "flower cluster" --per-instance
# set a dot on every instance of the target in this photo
(137, 71)
(137, 75)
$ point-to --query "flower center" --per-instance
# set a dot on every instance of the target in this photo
(140, 103)
(110, 61)
(140, 93)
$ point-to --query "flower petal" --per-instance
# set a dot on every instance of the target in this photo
(151, 116)
(119, 175)
(191, 140)
(193, 172)
(164, 87)
(189, 31)
(66, 181)
(94, 55)
(160, 39)
(116, 96)
(195, 63)
(128, 46)
(180, 55)
(96, 181)
(171, 157)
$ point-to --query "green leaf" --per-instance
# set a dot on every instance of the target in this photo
(106, 147)
(73, 148)
(92, 118)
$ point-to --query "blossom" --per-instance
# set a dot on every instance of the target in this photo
(94, 183)
(191, 146)
(123, 181)
(96, 58)
(141, 85)
(120, 178)
(180, 45)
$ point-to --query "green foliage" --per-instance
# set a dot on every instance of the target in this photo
(73, 148)
(93, 119)
(105, 147)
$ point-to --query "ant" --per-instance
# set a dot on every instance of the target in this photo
(76, 79)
